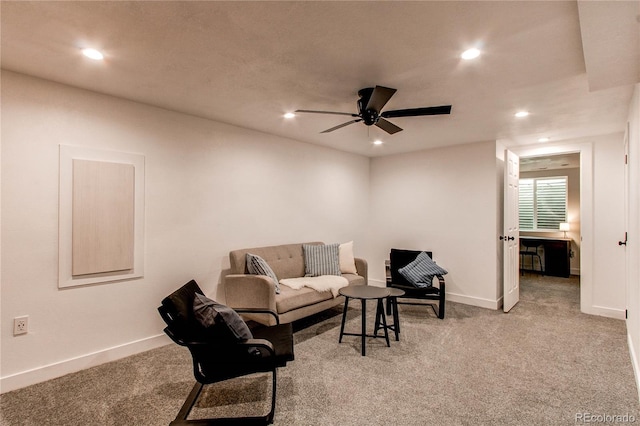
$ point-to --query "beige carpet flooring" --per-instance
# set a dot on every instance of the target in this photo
(544, 363)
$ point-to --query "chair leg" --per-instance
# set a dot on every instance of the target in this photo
(181, 418)
(189, 402)
(273, 398)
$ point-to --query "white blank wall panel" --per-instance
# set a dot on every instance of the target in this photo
(101, 207)
(103, 217)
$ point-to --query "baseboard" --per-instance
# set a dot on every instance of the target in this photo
(475, 301)
(58, 369)
(603, 311)
(458, 298)
(574, 271)
(634, 362)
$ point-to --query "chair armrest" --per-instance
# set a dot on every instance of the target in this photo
(363, 269)
(441, 284)
(259, 343)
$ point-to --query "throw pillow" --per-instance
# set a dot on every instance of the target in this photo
(210, 313)
(421, 271)
(321, 259)
(258, 266)
(347, 260)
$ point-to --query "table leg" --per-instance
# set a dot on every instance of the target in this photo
(396, 317)
(384, 323)
(364, 324)
(376, 326)
(344, 317)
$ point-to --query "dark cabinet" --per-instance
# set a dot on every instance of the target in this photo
(557, 255)
(557, 258)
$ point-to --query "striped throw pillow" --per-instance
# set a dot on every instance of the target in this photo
(421, 271)
(258, 266)
(321, 259)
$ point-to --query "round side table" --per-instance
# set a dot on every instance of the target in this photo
(364, 293)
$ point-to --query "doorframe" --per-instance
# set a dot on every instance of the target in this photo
(586, 212)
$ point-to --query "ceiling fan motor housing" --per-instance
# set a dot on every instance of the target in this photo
(369, 116)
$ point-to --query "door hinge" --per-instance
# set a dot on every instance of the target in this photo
(626, 314)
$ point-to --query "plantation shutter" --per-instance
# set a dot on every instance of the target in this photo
(543, 203)
(551, 199)
(526, 204)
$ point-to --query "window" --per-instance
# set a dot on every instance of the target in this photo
(543, 203)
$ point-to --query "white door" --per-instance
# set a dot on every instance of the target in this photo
(511, 234)
(623, 242)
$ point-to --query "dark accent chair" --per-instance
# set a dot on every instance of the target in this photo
(217, 356)
(399, 258)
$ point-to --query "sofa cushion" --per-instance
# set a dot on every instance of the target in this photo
(354, 279)
(347, 259)
(290, 299)
(258, 266)
(321, 260)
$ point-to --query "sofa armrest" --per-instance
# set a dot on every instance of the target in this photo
(251, 291)
(363, 269)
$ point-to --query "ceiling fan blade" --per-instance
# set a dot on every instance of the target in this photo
(339, 126)
(414, 112)
(326, 112)
(379, 98)
(388, 126)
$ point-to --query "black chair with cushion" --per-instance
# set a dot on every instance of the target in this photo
(223, 347)
(399, 259)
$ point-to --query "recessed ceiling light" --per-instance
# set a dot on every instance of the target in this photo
(544, 139)
(521, 114)
(93, 54)
(378, 142)
(470, 53)
(289, 115)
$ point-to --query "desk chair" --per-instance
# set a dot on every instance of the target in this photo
(531, 251)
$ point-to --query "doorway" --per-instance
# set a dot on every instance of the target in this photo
(550, 220)
(585, 236)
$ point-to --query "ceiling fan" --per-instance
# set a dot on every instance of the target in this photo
(370, 104)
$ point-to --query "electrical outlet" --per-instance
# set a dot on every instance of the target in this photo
(20, 325)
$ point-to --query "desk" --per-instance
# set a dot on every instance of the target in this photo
(557, 252)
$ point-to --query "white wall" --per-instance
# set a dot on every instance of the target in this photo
(443, 200)
(210, 188)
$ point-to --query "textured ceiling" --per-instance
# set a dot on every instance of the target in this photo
(247, 63)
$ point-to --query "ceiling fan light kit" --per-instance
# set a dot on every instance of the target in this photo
(370, 104)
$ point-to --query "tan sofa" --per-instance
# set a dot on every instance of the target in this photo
(243, 290)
